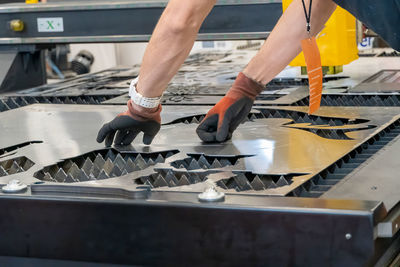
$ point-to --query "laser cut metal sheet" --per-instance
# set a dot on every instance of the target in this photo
(277, 149)
(371, 181)
(210, 99)
(383, 81)
(99, 83)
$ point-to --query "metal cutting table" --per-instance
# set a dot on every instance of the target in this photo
(297, 189)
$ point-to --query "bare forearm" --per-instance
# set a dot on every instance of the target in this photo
(283, 44)
(171, 43)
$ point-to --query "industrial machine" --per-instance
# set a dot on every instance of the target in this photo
(289, 189)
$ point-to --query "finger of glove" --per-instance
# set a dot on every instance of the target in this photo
(103, 132)
(150, 130)
(240, 117)
(110, 138)
(223, 129)
(120, 136)
(120, 122)
(231, 118)
(207, 129)
(130, 137)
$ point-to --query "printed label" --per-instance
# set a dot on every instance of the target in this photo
(50, 24)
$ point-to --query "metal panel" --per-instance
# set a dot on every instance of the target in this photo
(178, 230)
(281, 147)
(378, 176)
(383, 81)
(84, 22)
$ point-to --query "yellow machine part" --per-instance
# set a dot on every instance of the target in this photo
(31, 1)
(337, 41)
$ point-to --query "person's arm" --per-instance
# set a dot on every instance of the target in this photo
(170, 44)
(281, 46)
(284, 42)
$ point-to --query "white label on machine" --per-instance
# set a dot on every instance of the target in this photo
(50, 24)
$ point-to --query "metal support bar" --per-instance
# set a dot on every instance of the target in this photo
(391, 225)
(132, 21)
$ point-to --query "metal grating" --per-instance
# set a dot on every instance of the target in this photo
(266, 97)
(245, 181)
(15, 165)
(173, 178)
(288, 82)
(389, 54)
(296, 116)
(322, 182)
(100, 165)
(206, 162)
(8, 103)
(355, 100)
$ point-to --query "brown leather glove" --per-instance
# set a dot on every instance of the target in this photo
(130, 123)
(230, 111)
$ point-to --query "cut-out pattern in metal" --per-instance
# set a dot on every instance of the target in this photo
(288, 82)
(12, 148)
(245, 181)
(9, 103)
(100, 165)
(173, 178)
(328, 127)
(322, 182)
(296, 116)
(382, 100)
(333, 133)
(204, 58)
(302, 117)
(194, 162)
(16, 165)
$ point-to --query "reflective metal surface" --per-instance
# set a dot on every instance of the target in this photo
(268, 147)
(377, 180)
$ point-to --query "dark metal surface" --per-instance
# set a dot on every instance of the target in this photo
(83, 21)
(182, 231)
(21, 70)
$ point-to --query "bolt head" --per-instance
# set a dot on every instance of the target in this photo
(14, 186)
(348, 236)
(17, 25)
(211, 195)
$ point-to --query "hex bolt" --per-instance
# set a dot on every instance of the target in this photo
(348, 236)
(211, 195)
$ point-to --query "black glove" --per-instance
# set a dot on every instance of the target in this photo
(230, 111)
(129, 124)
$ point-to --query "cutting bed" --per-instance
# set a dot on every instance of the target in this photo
(298, 189)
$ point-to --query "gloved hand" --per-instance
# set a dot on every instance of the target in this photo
(220, 122)
(130, 123)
